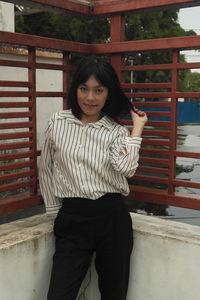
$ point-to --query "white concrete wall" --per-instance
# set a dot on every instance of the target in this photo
(165, 263)
(7, 19)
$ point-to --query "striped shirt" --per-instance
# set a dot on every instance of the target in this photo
(85, 160)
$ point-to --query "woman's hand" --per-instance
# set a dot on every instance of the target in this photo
(139, 119)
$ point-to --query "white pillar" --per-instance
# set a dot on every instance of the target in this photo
(7, 18)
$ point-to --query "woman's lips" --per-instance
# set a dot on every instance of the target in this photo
(89, 105)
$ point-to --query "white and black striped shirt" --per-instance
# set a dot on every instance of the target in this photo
(85, 160)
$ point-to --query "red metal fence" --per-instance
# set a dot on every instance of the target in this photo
(156, 179)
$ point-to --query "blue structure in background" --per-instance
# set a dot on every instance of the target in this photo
(156, 109)
(188, 112)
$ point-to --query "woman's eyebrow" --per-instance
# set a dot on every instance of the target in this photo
(96, 86)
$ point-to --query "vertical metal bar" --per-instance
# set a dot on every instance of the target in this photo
(32, 89)
(172, 158)
(66, 77)
(117, 34)
(117, 29)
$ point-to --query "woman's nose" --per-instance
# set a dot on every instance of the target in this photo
(90, 95)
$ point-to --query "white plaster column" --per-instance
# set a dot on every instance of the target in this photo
(7, 18)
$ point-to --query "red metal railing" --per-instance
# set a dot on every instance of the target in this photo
(159, 151)
(156, 179)
(18, 148)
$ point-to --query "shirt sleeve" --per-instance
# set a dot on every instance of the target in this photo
(124, 153)
(52, 203)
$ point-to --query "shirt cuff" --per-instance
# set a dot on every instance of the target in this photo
(135, 141)
(50, 211)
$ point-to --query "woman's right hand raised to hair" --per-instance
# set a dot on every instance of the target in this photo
(139, 119)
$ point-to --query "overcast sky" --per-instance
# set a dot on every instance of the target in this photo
(189, 18)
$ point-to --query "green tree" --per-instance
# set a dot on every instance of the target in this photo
(159, 24)
(153, 25)
(149, 25)
(66, 27)
(190, 83)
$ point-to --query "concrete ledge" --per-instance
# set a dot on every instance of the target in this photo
(35, 227)
(165, 261)
(25, 230)
(166, 228)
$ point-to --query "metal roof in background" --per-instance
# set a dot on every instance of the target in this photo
(103, 7)
(61, 6)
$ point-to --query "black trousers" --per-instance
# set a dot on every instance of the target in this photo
(82, 227)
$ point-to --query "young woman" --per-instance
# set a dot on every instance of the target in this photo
(86, 158)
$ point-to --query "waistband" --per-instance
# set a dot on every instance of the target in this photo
(108, 200)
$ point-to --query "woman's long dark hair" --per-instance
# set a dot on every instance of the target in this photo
(117, 104)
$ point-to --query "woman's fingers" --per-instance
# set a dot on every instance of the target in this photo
(138, 114)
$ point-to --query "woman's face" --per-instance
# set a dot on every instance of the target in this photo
(91, 97)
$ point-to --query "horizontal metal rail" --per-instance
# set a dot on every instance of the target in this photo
(157, 164)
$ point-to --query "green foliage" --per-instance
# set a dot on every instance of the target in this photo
(153, 25)
(194, 82)
(149, 25)
(159, 24)
(66, 27)
(190, 82)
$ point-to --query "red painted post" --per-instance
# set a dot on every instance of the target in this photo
(66, 76)
(32, 98)
(172, 163)
(117, 34)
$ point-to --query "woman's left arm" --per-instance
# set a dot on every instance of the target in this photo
(124, 152)
(139, 119)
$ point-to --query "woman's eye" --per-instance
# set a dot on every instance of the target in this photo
(99, 91)
(83, 89)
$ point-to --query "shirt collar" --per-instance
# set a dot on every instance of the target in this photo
(104, 121)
